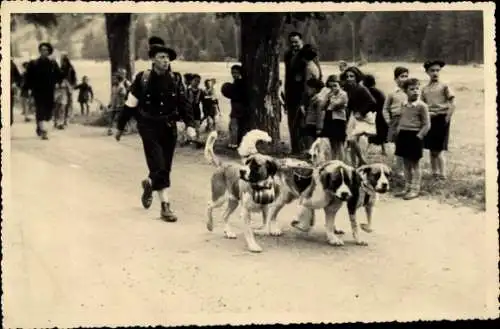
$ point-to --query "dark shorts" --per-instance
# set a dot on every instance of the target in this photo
(382, 131)
(196, 112)
(309, 131)
(335, 130)
(408, 145)
(437, 138)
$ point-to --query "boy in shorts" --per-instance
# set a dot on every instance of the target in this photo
(414, 124)
(440, 99)
(194, 97)
(392, 110)
(210, 104)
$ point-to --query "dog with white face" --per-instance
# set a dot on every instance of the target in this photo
(250, 184)
(336, 184)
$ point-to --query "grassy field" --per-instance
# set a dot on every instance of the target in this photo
(466, 163)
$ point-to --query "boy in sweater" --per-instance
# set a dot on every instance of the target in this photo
(392, 109)
(414, 124)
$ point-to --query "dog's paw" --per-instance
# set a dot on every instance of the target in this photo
(336, 242)
(254, 248)
(275, 232)
(298, 225)
(361, 243)
(367, 228)
(210, 225)
(229, 235)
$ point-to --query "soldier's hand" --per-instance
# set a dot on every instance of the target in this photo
(191, 133)
(118, 135)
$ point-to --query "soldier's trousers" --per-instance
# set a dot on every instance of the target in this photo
(159, 138)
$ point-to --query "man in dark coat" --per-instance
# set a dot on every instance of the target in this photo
(295, 71)
(157, 100)
(15, 81)
(68, 73)
(42, 75)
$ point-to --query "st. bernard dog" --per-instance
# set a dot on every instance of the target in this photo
(250, 184)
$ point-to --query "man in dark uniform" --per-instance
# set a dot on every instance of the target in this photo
(157, 101)
(15, 80)
(42, 75)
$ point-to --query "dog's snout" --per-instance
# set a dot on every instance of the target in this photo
(384, 185)
(243, 173)
(344, 195)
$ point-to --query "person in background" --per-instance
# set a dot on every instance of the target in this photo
(187, 79)
(342, 67)
(194, 97)
(15, 80)
(392, 111)
(42, 76)
(69, 74)
(333, 119)
(381, 126)
(118, 97)
(61, 100)
(413, 125)
(237, 93)
(312, 120)
(210, 104)
(440, 99)
(26, 99)
(121, 74)
(85, 95)
(360, 123)
(282, 97)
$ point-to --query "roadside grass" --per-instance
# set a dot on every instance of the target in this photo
(465, 159)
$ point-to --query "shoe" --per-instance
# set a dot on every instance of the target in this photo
(110, 132)
(44, 135)
(38, 132)
(147, 194)
(411, 195)
(166, 213)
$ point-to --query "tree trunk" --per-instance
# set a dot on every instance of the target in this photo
(259, 55)
(119, 31)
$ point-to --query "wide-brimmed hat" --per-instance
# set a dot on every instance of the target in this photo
(428, 64)
(48, 45)
(157, 45)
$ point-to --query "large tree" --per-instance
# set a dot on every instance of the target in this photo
(120, 34)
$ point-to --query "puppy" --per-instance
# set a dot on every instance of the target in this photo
(294, 177)
(341, 183)
(250, 185)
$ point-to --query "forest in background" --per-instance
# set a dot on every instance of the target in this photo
(456, 36)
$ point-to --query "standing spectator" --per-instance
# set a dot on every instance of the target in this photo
(118, 97)
(334, 116)
(312, 115)
(413, 125)
(15, 81)
(61, 100)
(194, 97)
(440, 99)
(210, 104)
(282, 97)
(121, 74)
(392, 110)
(381, 126)
(294, 87)
(26, 98)
(359, 105)
(239, 115)
(69, 73)
(41, 78)
(85, 95)
(157, 100)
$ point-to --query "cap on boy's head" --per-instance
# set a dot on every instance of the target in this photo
(195, 76)
(369, 81)
(315, 83)
(156, 41)
(410, 82)
(400, 70)
(333, 78)
(428, 64)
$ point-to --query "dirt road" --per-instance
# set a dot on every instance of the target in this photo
(79, 250)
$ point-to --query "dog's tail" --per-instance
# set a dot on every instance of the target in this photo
(248, 145)
(209, 149)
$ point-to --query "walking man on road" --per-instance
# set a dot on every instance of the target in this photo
(42, 75)
(157, 101)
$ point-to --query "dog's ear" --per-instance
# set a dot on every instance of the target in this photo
(272, 167)
(326, 179)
